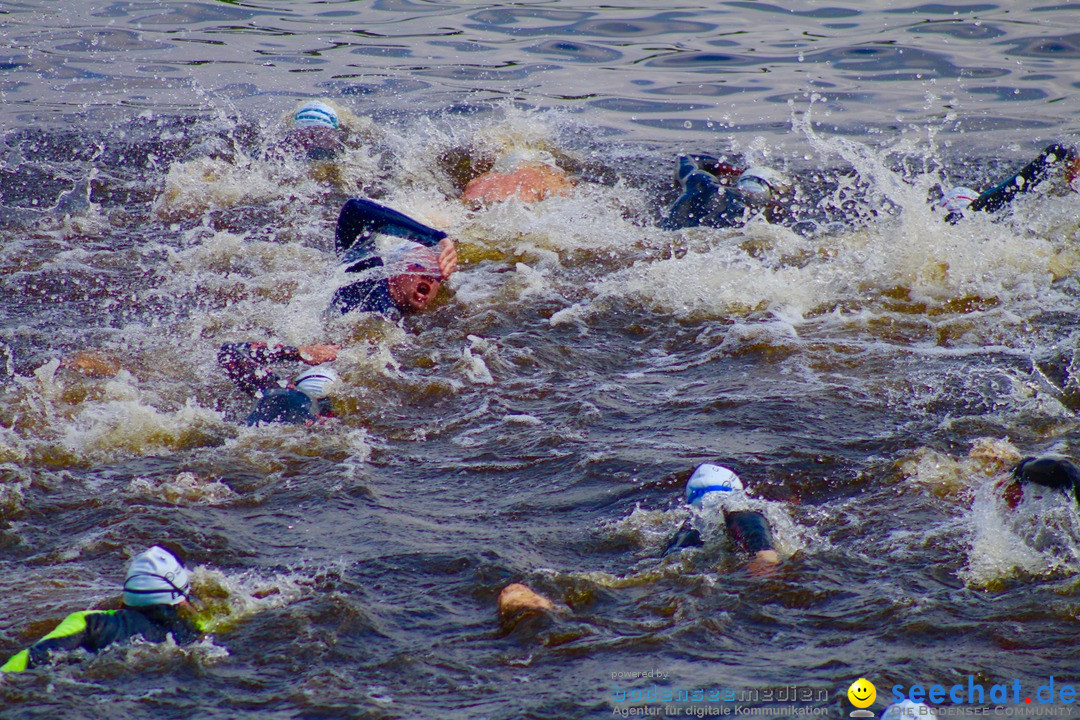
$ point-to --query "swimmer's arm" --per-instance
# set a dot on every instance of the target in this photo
(361, 219)
(245, 364)
(1026, 179)
(1037, 472)
(750, 531)
(70, 634)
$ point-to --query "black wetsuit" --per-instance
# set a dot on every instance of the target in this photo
(1056, 473)
(1024, 180)
(94, 630)
(360, 222)
(748, 528)
(704, 201)
(245, 364)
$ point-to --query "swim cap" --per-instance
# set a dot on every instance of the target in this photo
(907, 709)
(314, 381)
(958, 199)
(156, 577)
(708, 479)
(761, 181)
(408, 257)
(315, 114)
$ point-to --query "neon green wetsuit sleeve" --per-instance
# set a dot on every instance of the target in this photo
(73, 624)
(17, 663)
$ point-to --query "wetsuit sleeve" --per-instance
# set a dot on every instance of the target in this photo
(750, 530)
(245, 364)
(686, 537)
(1050, 472)
(1025, 180)
(68, 635)
(704, 201)
(361, 220)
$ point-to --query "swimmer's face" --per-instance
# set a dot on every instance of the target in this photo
(862, 693)
(413, 292)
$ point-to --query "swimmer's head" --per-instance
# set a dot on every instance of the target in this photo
(315, 382)
(711, 483)
(156, 577)
(316, 114)
(957, 200)
(762, 183)
(414, 276)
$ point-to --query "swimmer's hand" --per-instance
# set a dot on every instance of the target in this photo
(686, 537)
(447, 258)
(318, 354)
(764, 563)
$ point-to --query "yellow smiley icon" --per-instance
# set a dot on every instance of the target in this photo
(862, 693)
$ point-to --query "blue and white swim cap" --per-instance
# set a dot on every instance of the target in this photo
(908, 710)
(709, 479)
(315, 114)
(156, 577)
(316, 381)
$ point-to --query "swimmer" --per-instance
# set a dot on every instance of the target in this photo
(528, 176)
(961, 200)
(408, 278)
(1057, 474)
(302, 401)
(711, 489)
(707, 201)
(714, 491)
(157, 597)
(314, 135)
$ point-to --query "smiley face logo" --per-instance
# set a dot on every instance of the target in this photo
(862, 693)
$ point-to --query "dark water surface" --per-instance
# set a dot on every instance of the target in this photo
(869, 379)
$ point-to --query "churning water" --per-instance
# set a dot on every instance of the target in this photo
(871, 373)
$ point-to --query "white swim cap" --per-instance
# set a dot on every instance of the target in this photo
(408, 257)
(758, 179)
(315, 114)
(314, 382)
(156, 577)
(708, 479)
(958, 199)
(907, 709)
